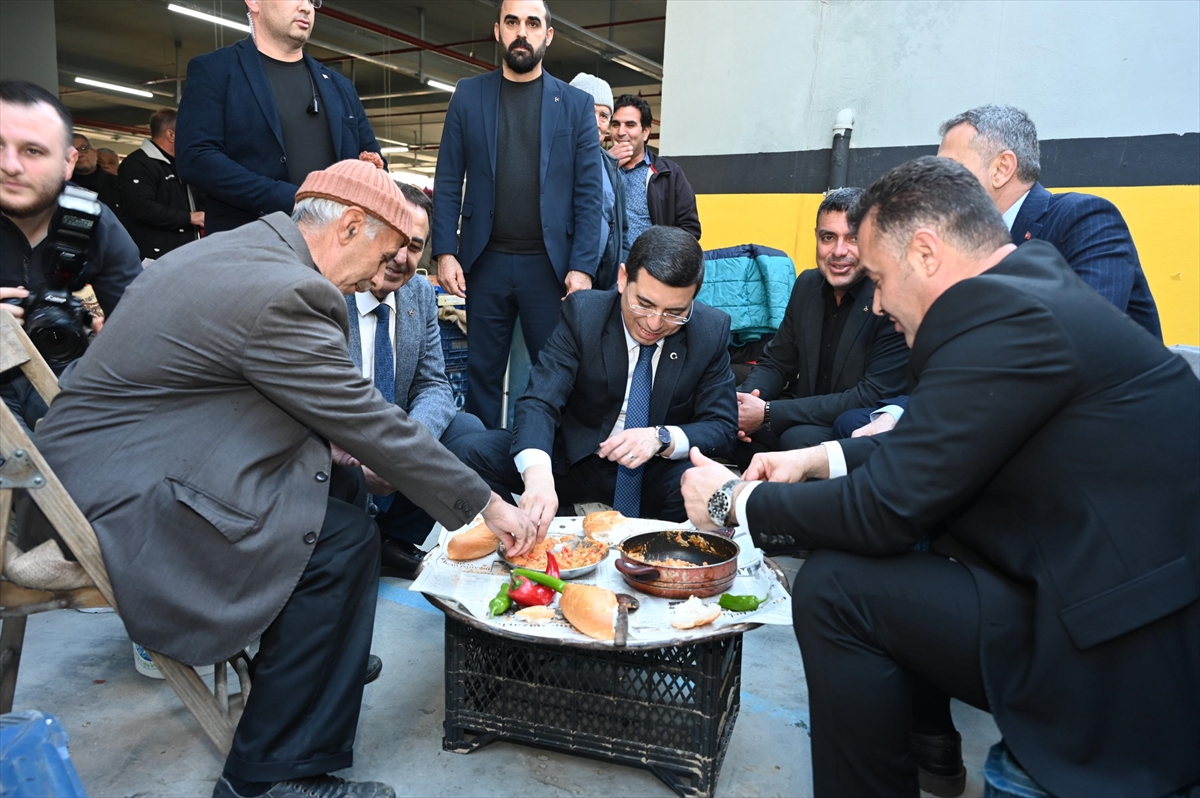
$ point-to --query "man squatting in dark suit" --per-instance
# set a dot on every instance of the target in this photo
(396, 341)
(831, 353)
(1034, 453)
(233, 349)
(629, 380)
(530, 210)
(999, 144)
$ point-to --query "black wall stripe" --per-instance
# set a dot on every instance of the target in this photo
(1166, 160)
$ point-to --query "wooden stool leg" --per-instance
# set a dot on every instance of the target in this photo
(198, 700)
(12, 638)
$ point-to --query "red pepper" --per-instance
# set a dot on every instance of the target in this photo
(528, 593)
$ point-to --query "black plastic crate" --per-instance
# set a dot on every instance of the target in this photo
(458, 384)
(670, 710)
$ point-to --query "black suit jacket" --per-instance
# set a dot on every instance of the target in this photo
(1053, 446)
(869, 363)
(577, 387)
(230, 140)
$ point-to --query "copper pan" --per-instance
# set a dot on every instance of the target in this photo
(715, 559)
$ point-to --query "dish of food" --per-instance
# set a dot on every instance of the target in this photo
(674, 562)
(575, 556)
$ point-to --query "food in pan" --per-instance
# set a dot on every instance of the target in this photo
(476, 542)
(693, 613)
(536, 615)
(674, 562)
(570, 551)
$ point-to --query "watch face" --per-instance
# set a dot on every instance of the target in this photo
(664, 435)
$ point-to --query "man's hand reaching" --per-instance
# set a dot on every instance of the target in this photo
(539, 498)
(793, 466)
(511, 525)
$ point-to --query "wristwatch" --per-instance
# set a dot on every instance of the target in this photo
(664, 438)
(720, 503)
(766, 415)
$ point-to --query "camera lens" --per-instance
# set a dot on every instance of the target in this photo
(56, 334)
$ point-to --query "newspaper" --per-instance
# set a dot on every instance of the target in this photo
(472, 585)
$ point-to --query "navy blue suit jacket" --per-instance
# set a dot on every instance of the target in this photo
(574, 396)
(1092, 236)
(229, 141)
(571, 177)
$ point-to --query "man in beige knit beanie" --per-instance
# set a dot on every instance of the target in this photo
(196, 436)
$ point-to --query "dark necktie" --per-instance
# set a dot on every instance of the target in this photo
(385, 375)
(628, 496)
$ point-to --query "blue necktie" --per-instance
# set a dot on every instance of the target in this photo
(628, 497)
(385, 375)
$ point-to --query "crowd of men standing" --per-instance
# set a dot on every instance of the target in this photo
(315, 432)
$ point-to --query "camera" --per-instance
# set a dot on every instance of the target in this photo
(55, 320)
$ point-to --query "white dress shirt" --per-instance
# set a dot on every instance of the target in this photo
(527, 457)
(367, 320)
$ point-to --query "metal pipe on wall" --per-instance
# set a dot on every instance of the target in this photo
(839, 158)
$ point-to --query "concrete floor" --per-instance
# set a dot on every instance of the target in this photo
(131, 736)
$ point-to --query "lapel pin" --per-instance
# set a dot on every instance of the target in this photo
(1028, 236)
(325, 76)
(866, 309)
(555, 99)
(410, 311)
(674, 355)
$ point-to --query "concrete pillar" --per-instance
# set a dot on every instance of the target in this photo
(28, 42)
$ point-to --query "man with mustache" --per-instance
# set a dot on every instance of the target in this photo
(525, 143)
(396, 341)
(258, 116)
(831, 353)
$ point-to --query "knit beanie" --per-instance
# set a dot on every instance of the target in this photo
(600, 90)
(362, 184)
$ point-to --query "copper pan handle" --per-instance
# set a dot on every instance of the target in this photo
(629, 569)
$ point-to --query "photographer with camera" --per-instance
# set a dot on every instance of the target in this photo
(54, 239)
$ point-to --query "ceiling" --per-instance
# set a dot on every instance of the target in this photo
(379, 45)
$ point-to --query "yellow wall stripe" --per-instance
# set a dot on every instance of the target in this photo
(1164, 220)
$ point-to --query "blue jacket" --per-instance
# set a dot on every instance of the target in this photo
(571, 181)
(1093, 238)
(229, 140)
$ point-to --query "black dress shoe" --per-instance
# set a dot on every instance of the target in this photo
(399, 559)
(374, 668)
(322, 786)
(939, 763)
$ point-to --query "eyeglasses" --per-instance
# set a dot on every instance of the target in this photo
(669, 318)
(85, 148)
(316, 3)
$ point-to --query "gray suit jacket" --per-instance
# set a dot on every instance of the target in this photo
(421, 385)
(193, 435)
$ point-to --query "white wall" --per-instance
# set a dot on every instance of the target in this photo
(745, 76)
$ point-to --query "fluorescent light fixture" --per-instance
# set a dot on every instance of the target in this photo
(440, 86)
(418, 180)
(393, 150)
(191, 12)
(99, 84)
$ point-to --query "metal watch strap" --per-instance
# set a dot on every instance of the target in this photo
(767, 415)
(720, 504)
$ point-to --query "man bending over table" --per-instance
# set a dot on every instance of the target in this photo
(195, 435)
(1033, 453)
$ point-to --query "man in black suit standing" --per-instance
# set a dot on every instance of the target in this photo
(615, 425)
(1034, 453)
(831, 353)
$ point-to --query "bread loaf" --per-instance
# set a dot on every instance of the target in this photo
(476, 542)
(594, 523)
(590, 609)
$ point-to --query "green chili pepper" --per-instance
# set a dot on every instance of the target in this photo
(541, 578)
(742, 603)
(500, 604)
